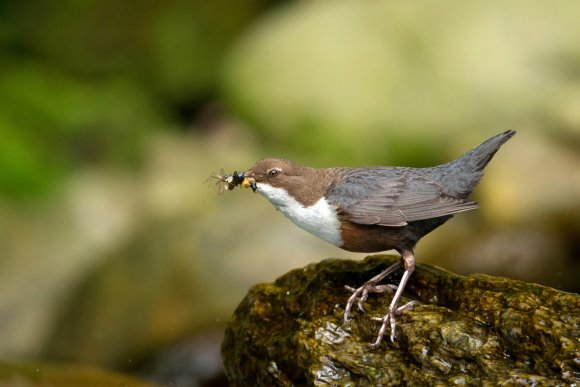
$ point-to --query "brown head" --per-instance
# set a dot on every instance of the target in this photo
(307, 185)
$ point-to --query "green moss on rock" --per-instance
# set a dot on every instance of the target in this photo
(467, 330)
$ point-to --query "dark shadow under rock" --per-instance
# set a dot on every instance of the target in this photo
(470, 330)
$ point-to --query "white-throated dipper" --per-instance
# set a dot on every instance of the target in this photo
(372, 209)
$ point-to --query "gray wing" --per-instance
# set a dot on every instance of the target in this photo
(392, 197)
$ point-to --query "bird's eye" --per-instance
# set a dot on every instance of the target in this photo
(273, 172)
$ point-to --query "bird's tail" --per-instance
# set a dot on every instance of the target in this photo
(476, 159)
(462, 175)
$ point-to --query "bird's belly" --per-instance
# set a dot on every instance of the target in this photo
(373, 238)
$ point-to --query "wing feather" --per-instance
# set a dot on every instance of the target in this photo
(392, 197)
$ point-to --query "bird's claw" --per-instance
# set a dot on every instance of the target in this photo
(361, 294)
(389, 319)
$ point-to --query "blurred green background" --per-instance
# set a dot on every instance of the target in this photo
(112, 114)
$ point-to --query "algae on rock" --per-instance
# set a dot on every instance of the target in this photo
(467, 330)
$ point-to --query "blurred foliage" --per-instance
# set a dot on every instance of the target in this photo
(395, 82)
(44, 374)
(83, 83)
(51, 124)
(112, 113)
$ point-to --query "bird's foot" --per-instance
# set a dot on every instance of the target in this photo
(389, 320)
(361, 294)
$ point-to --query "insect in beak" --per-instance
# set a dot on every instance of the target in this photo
(229, 182)
(250, 182)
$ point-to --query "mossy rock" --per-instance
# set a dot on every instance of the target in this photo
(474, 330)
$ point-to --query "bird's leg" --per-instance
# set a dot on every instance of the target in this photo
(361, 294)
(409, 264)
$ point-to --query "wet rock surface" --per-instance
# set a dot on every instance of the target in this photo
(471, 330)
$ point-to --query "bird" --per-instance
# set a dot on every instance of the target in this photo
(374, 209)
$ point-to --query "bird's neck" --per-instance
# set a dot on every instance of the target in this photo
(315, 215)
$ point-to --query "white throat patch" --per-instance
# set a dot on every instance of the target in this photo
(319, 219)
